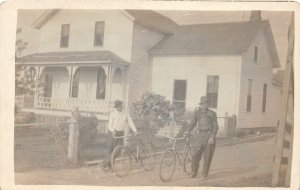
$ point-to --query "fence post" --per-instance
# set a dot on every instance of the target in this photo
(226, 127)
(73, 138)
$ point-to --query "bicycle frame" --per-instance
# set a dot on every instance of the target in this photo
(125, 143)
(186, 146)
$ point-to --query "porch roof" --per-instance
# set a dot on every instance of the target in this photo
(72, 57)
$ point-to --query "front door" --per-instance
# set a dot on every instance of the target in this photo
(48, 85)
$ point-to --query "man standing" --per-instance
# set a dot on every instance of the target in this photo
(207, 128)
(117, 125)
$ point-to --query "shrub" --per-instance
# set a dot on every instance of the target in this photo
(153, 108)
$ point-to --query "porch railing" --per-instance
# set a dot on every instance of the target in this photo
(101, 106)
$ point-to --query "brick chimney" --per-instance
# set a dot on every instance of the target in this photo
(255, 16)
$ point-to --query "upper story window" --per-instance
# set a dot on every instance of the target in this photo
(255, 54)
(64, 35)
(99, 33)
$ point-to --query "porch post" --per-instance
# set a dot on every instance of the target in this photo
(71, 70)
(125, 88)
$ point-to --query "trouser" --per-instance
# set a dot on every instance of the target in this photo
(208, 155)
(111, 144)
(201, 145)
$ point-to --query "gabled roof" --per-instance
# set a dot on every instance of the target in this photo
(70, 57)
(145, 17)
(154, 20)
(221, 38)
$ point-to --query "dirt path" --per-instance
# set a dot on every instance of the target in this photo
(245, 164)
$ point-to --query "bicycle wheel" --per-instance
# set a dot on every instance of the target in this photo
(167, 165)
(187, 161)
(121, 161)
(147, 156)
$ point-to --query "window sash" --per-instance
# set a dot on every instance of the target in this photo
(212, 89)
(99, 33)
(255, 53)
(64, 36)
(212, 98)
(264, 103)
(249, 99)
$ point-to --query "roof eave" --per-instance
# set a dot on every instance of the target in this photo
(47, 15)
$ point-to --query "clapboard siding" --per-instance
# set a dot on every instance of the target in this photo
(260, 73)
(194, 69)
(143, 39)
(117, 34)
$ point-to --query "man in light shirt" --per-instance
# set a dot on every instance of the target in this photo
(118, 125)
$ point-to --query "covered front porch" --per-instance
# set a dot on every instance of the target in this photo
(88, 81)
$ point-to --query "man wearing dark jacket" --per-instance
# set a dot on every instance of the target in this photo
(205, 138)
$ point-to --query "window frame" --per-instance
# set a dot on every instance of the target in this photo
(264, 101)
(249, 96)
(212, 104)
(174, 101)
(62, 45)
(255, 58)
(95, 34)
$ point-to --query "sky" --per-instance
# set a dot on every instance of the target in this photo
(279, 21)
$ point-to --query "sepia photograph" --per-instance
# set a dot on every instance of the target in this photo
(136, 97)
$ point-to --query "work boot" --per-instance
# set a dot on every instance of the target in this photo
(192, 175)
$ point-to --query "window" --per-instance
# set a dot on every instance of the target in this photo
(255, 54)
(99, 33)
(212, 89)
(101, 84)
(75, 84)
(264, 98)
(179, 94)
(249, 95)
(64, 36)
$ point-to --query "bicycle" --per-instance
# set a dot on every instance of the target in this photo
(169, 159)
(122, 156)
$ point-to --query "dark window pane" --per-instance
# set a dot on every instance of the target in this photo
(64, 37)
(249, 95)
(248, 103)
(99, 33)
(255, 54)
(212, 90)
(264, 98)
(179, 90)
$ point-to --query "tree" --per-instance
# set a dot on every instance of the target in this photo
(24, 77)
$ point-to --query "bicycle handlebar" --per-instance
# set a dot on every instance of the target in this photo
(177, 138)
(123, 136)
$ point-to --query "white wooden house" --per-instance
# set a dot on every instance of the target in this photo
(89, 58)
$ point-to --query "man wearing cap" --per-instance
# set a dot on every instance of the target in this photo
(117, 124)
(206, 131)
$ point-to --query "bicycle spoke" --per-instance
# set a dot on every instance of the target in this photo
(167, 165)
(121, 161)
